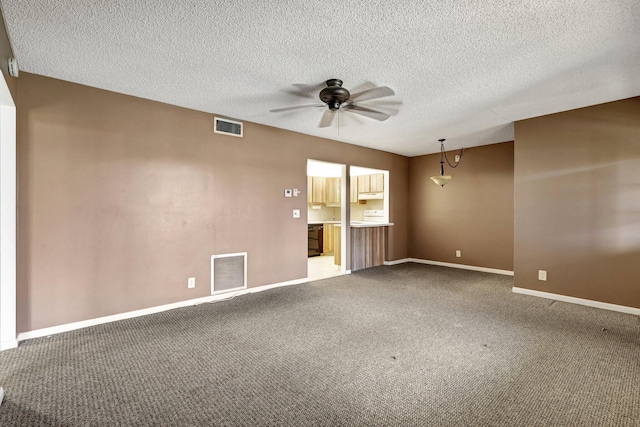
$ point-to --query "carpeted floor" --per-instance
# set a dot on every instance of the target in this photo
(408, 345)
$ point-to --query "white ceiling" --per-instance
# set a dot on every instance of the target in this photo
(463, 70)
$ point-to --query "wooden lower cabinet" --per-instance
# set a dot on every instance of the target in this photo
(337, 245)
(367, 247)
(328, 239)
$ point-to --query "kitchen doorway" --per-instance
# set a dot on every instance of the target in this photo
(327, 210)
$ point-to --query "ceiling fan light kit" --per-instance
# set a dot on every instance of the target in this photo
(338, 98)
(334, 95)
(443, 179)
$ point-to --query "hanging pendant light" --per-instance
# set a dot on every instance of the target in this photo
(443, 179)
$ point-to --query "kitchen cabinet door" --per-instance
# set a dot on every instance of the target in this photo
(376, 183)
(354, 190)
(332, 191)
(316, 189)
(328, 238)
(363, 184)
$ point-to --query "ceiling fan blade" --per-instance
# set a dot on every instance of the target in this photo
(381, 102)
(297, 107)
(384, 109)
(327, 118)
(368, 112)
(305, 91)
(376, 92)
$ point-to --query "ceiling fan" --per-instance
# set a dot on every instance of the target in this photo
(338, 98)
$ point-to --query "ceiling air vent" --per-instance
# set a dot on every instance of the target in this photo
(227, 127)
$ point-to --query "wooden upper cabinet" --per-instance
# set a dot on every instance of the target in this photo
(376, 183)
(363, 184)
(354, 190)
(316, 189)
(371, 183)
(332, 191)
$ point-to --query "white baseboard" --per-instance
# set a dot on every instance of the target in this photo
(397, 261)
(580, 301)
(452, 265)
(151, 310)
(6, 345)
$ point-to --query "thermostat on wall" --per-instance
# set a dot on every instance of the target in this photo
(13, 67)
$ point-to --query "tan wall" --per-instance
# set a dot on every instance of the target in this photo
(577, 203)
(473, 213)
(122, 199)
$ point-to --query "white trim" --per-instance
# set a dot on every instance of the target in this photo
(398, 261)
(6, 345)
(8, 204)
(580, 301)
(151, 310)
(277, 285)
(452, 265)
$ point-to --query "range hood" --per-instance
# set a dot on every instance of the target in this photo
(371, 196)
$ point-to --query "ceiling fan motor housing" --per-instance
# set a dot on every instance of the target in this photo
(334, 94)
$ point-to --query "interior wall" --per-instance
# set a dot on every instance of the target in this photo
(122, 199)
(473, 213)
(577, 203)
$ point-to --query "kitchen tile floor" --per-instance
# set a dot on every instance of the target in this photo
(322, 267)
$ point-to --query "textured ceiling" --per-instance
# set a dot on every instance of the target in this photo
(463, 70)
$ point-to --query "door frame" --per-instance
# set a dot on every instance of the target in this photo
(8, 208)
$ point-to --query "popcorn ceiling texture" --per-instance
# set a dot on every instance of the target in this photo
(464, 70)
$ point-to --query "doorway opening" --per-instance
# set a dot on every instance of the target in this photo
(327, 210)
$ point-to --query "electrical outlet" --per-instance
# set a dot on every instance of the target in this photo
(542, 275)
(191, 282)
(458, 254)
(457, 158)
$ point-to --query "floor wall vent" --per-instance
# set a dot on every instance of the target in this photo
(228, 272)
(227, 127)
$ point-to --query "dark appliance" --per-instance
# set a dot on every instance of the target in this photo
(315, 232)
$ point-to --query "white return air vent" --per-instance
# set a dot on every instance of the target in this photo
(228, 272)
(227, 127)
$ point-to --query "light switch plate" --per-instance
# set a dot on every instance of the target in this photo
(288, 192)
(542, 275)
(296, 213)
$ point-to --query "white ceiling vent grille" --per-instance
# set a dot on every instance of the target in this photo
(227, 127)
(228, 272)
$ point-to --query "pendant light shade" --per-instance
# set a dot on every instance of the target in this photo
(443, 179)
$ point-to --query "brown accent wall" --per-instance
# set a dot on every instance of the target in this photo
(473, 213)
(577, 202)
(122, 199)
